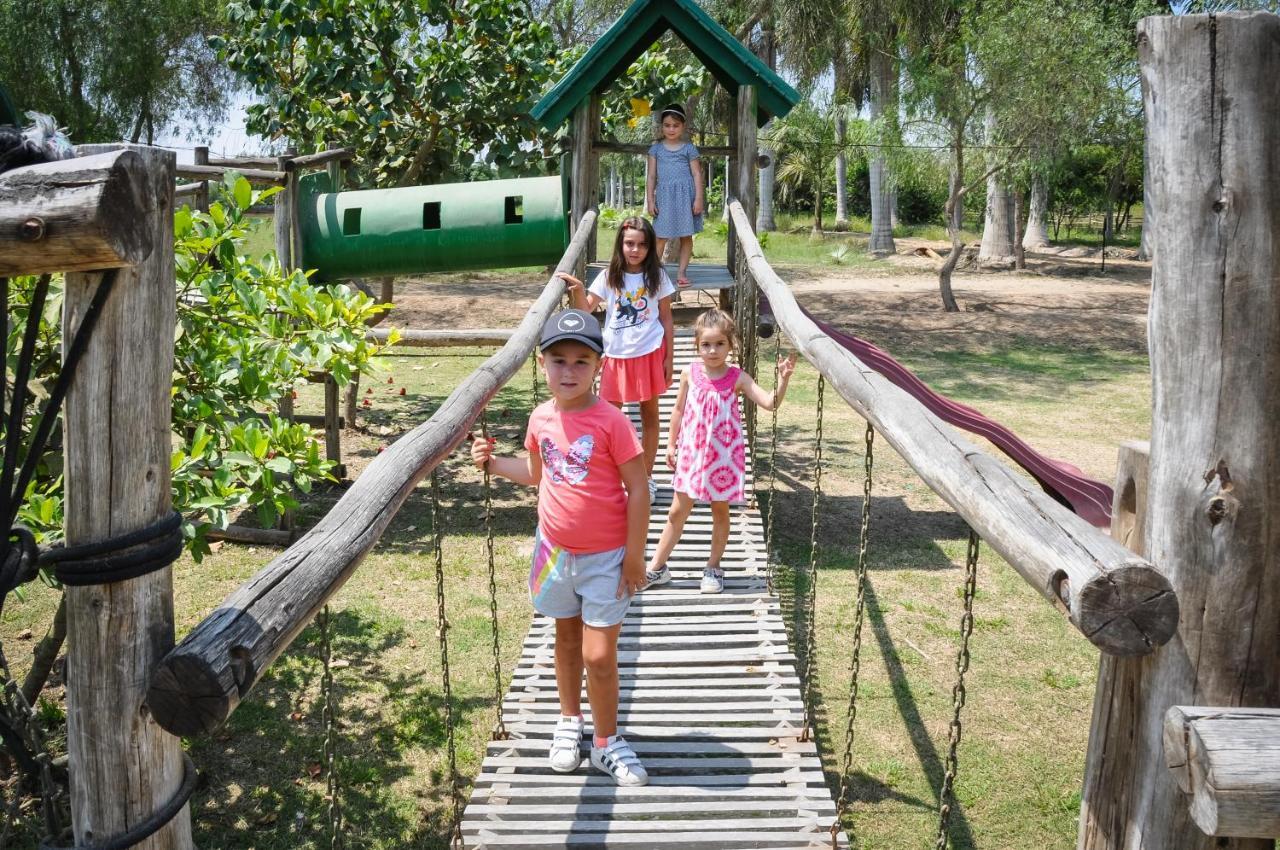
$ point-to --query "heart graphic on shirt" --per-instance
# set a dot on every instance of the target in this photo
(568, 467)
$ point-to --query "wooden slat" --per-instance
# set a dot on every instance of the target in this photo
(709, 698)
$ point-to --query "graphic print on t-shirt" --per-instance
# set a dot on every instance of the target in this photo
(631, 307)
(568, 467)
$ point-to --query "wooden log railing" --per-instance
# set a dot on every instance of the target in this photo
(1118, 600)
(197, 685)
(84, 214)
(1228, 761)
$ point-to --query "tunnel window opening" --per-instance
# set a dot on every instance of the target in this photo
(351, 222)
(515, 209)
(431, 215)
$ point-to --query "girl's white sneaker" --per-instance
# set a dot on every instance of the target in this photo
(661, 575)
(618, 760)
(566, 743)
(712, 580)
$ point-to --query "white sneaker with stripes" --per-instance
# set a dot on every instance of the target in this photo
(566, 744)
(617, 759)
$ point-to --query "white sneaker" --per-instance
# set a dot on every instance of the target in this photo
(566, 745)
(619, 761)
(712, 580)
(661, 575)
(653, 491)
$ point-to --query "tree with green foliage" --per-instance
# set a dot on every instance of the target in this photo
(420, 89)
(805, 142)
(114, 69)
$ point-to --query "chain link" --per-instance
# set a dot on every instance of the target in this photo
(533, 370)
(442, 632)
(499, 728)
(329, 719)
(811, 592)
(855, 662)
(773, 472)
(946, 796)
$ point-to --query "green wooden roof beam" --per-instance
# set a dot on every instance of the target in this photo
(642, 24)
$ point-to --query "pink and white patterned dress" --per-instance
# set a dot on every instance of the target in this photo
(711, 458)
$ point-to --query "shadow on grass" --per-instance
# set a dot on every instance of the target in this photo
(263, 774)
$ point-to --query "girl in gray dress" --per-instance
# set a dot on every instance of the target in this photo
(674, 188)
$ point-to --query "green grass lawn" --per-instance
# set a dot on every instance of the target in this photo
(1018, 786)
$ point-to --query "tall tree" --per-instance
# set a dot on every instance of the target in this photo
(420, 89)
(114, 69)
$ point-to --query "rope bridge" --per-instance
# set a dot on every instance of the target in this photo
(715, 694)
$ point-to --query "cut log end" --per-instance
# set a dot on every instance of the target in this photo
(1129, 610)
(186, 698)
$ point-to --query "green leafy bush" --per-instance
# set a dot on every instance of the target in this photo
(247, 333)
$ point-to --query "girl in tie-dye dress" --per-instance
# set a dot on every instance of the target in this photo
(705, 447)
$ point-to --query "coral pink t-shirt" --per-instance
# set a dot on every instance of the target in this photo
(582, 506)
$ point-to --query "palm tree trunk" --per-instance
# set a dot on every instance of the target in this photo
(842, 171)
(883, 86)
(1036, 234)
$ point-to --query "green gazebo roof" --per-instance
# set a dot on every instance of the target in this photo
(636, 30)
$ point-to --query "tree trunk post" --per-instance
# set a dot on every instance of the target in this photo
(842, 170)
(201, 157)
(883, 81)
(586, 170)
(1035, 235)
(1209, 85)
(118, 415)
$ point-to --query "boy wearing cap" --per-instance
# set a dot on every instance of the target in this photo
(588, 553)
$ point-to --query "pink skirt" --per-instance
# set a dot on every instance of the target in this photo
(634, 378)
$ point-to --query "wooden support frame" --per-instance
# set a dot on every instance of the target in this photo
(118, 413)
(76, 215)
(586, 175)
(1209, 95)
(1228, 761)
(1119, 601)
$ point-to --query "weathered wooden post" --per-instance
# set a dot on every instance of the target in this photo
(1212, 120)
(118, 441)
(586, 169)
(201, 157)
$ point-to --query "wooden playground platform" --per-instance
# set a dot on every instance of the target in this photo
(710, 699)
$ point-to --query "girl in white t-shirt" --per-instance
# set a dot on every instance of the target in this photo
(638, 348)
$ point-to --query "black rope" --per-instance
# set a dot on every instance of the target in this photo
(154, 822)
(118, 558)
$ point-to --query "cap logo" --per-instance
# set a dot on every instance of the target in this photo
(570, 323)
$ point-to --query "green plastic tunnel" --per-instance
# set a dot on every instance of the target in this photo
(420, 229)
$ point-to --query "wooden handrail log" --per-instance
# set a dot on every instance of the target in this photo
(316, 160)
(81, 214)
(191, 188)
(1228, 761)
(217, 172)
(1118, 600)
(201, 681)
(238, 162)
(419, 338)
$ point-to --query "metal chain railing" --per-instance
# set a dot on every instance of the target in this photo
(533, 370)
(811, 591)
(773, 473)
(855, 661)
(499, 728)
(442, 633)
(329, 720)
(946, 795)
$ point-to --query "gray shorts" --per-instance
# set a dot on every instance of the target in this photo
(562, 584)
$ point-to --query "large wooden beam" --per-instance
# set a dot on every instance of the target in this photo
(197, 685)
(118, 444)
(585, 175)
(1228, 760)
(418, 338)
(1118, 600)
(1212, 121)
(75, 215)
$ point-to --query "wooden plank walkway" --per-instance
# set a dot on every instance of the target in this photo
(709, 698)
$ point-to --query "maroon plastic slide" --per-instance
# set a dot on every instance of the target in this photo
(1090, 499)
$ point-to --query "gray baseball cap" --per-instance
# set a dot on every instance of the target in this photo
(571, 324)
